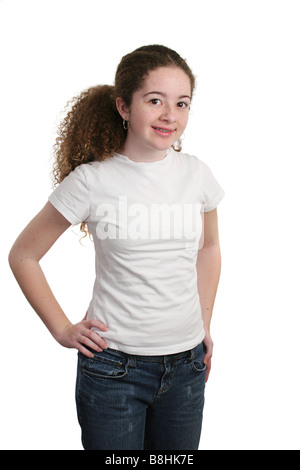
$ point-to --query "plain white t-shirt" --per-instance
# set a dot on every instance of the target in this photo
(146, 223)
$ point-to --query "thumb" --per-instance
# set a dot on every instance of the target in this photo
(85, 317)
(208, 344)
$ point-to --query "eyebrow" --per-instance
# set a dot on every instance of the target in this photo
(164, 94)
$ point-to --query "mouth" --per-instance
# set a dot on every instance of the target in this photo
(164, 131)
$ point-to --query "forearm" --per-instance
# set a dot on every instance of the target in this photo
(208, 271)
(37, 291)
(24, 259)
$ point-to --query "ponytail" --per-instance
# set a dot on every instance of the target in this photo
(91, 131)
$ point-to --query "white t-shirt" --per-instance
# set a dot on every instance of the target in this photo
(146, 223)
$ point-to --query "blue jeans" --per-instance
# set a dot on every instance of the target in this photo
(129, 402)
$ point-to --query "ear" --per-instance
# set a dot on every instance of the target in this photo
(122, 108)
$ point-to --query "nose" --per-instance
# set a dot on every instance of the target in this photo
(168, 113)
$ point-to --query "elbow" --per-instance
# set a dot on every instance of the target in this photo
(12, 259)
(19, 256)
(15, 258)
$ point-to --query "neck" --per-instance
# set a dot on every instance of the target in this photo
(146, 155)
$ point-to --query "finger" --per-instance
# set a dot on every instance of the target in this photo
(208, 369)
(97, 324)
(85, 351)
(95, 339)
(85, 341)
(208, 354)
(207, 357)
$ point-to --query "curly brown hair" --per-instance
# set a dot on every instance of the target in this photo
(92, 129)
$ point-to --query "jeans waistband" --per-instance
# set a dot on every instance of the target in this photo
(189, 354)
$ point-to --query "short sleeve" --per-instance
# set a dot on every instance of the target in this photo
(213, 193)
(71, 197)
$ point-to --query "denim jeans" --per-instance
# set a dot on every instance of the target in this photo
(129, 402)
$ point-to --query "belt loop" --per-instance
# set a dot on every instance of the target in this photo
(131, 361)
(191, 356)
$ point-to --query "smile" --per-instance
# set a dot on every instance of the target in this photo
(161, 131)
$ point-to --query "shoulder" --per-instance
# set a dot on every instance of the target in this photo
(90, 170)
(96, 166)
(192, 162)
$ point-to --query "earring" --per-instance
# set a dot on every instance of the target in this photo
(125, 124)
(177, 146)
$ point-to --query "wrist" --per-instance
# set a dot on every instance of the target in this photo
(207, 329)
(60, 330)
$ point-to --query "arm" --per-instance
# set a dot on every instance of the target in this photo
(208, 274)
(29, 248)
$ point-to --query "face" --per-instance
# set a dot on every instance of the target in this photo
(158, 114)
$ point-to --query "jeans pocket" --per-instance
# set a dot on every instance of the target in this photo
(197, 362)
(104, 365)
(198, 367)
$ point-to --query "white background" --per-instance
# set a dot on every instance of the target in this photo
(244, 124)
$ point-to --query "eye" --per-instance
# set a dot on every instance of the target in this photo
(155, 101)
(183, 105)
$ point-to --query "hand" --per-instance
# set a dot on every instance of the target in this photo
(80, 335)
(209, 345)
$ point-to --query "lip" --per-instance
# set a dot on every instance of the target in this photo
(163, 131)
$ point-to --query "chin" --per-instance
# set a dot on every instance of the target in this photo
(163, 146)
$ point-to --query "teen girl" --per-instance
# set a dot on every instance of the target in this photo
(144, 346)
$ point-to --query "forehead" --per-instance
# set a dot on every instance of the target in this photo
(167, 79)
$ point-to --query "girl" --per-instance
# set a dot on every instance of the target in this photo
(144, 346)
